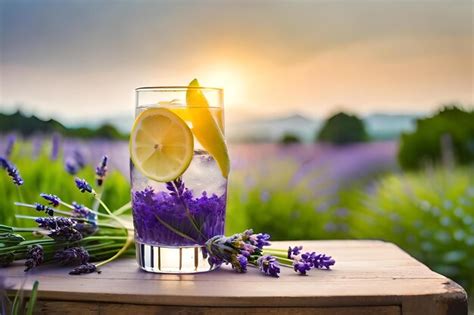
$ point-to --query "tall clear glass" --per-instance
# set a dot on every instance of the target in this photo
(173, 220)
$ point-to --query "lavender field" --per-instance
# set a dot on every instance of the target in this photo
(303, 191)
(339, 164)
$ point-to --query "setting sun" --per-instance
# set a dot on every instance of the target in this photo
(230, 79)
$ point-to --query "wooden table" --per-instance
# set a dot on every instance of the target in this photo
(370, 277)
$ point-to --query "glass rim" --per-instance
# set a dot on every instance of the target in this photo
(176, 88)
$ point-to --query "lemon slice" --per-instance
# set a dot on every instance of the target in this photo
(161, 144)
(205, 128)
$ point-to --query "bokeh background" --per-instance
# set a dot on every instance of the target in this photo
(344, 119)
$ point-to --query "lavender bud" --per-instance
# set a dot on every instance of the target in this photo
(34, 256)
(48, 210)
(260, 240)
(101, 171)
(53, 200)
(55, 146)
(80, 211)
(65, 234)
(72, 256)
(239, 263)
(294, 251)
(12, 171)
(10, 145)
(54, 222)
(83, 185)
(269, 265)
(85, 268)
(301, 266)
(71, 166)
(79, 158)
(322, 261)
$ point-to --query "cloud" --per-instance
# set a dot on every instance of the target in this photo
(104, 49)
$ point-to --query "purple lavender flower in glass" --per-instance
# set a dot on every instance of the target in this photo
(101, 171)
(53, 199)
(269, 265)
(72, 256)
(85, 268)
(83, 185)
(34, 257)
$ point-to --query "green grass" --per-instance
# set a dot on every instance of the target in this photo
(430, 214)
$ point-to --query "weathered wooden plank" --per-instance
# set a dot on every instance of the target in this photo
(77, 308)
(367, 273)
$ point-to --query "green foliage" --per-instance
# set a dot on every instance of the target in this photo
(342, 129)
(267, 198)
(290, 138)
(430, 214)
(45, 176)
(18, 122)
(449, 132)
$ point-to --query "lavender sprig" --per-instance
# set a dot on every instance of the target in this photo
(294, 251)
(65, 234)
(303, 263)
(53, 223)
(71, 166)
(83, 185)
(60, 228)
(74, 163)
(10, 145)
(84, 268)
(72, 256)
(52, 199)
(12, 171)
(80, 211)
(55, 146)
(34, 256)
(48, 210)
(269, 265)
(101, 171)
(239, 250)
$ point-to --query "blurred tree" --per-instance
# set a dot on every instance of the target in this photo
(28, 125)
(447, 137)
(342, 129)
(290, 138)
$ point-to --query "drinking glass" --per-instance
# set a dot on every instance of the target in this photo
(173, 220)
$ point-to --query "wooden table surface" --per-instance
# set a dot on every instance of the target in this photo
(370, 277)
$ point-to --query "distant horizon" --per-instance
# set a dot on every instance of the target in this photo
(75, 120)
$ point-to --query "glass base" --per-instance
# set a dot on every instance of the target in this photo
(172, 259)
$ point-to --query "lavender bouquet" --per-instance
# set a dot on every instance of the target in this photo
(67, 233)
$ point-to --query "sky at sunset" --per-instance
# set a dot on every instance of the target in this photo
(75, 59)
